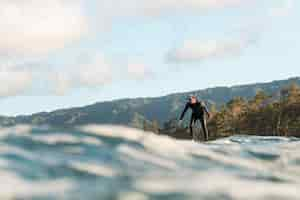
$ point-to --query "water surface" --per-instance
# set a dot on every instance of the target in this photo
(110, 162)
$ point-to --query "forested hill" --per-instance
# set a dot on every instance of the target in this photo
(136, 111)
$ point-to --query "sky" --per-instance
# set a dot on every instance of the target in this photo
(67, 53)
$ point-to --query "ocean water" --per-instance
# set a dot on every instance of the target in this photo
(113, 162)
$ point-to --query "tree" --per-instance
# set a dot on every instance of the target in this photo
(236, 106)
(213, 109)
(259, 100)
(137, 121)
(261, 115)
(171, 124)
(293, 95)
(152, 126)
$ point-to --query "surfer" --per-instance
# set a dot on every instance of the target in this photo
(199, 111)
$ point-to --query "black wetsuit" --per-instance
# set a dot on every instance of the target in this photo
(198, 113)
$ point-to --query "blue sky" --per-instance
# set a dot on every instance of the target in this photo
(73, 53)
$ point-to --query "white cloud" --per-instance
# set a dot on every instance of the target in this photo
(195, 50)
(38, 27)
(120, 8)
(137, 71)
(97, 72)
(14, 81)
(19, 78)
(284, 9)
(35, 26)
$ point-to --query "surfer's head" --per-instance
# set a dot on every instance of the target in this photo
(192, 99)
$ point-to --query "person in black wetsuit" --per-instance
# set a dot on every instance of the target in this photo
(199, 111)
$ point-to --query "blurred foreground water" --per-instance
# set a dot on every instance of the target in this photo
(109, 162)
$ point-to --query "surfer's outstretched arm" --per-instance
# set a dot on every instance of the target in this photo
(184, 111)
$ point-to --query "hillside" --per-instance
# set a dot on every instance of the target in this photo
(134, 111)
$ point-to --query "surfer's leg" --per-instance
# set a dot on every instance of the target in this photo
(191, 125)
(198, 132)
(204, 128)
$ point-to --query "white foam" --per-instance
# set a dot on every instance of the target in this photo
(132, 196)
(114, 131)
(94, 168)
(56, 138)
(165, 146)
(16, 188)
(59, 138)
(16, 130)
(8, 149)
(212, 183)
(91, 140)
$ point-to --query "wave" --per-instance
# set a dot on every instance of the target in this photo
(115, 162)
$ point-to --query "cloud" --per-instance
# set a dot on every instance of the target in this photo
(118, 8)
(197, 50)
(37, 27)
(30, 28)
(284, 9)
(20, 78)
(95, 73)
(138, 71)
(14, 81)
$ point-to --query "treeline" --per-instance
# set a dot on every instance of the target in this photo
(267, 115)
(276, 115)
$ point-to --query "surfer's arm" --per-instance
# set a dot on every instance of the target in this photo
(184, 111)
(205, 109)
(207, 112)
